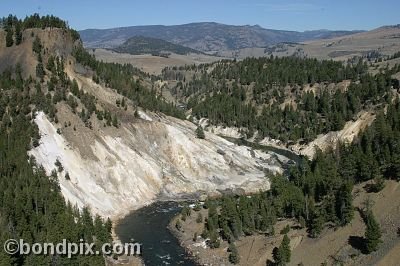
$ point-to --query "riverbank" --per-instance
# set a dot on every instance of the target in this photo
(334, 245)
(148, 226)
(253, 250)
(123, 260)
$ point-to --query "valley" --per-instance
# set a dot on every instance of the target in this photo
(150, 63)
(232, 144)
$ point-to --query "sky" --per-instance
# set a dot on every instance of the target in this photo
(297, 15)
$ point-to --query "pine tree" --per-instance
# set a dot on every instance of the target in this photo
(18, 34)
(379, 183)
(214, 240)
(282, 253)
(285, 246)
(372, 234)
(234, 256)
(200, 133)
(9, 37)
(316, 225)
(178, 225)
(115, 121)
(37, 46)
(199, 218)
(344, 207)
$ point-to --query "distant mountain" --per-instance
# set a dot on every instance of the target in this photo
(154, 46)
(205, 36)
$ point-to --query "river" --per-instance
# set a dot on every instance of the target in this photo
(148, 225)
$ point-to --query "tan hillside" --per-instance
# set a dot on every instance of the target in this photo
(152, 64)
(153, 156)
(384, 40)
(56, 42)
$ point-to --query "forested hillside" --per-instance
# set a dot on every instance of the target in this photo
(31, 205)
(317, 194)
(153, 46)
(290, 99)
(122, 79)
(204, 36)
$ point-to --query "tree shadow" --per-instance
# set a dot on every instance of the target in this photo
(270, 263)
(358, 243)
(369, 188)
(373, 188)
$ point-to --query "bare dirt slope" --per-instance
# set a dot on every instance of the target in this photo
(55, 41)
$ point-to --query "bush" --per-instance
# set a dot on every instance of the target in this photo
(178, 225)
(199, 218)
(200, 133)
(285, 230)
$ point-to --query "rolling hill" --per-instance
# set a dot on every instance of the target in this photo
(374, 44)
(147, 45)
(204, 36)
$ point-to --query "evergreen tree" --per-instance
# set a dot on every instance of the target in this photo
(178, 225)
(344, 207)
(214, 241)
(115, 121)
(18, 34)
(37, 45)
(282, 253)
(316, 225)
(200, 133)
(372, 234)
(234, 256)
(379, 183)
(199, 218)
(40, 71)
(9, 37)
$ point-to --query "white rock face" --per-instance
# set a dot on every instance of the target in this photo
(155, 157)
(232, 132)
(332, 139)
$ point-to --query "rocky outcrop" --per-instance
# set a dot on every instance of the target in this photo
(152, 157)
(331, 139)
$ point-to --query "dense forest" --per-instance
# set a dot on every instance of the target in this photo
(157, 47)
(31, 204)
(316, 193)
(254, 94)
(14, 26)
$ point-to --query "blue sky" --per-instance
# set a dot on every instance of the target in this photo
(285, 14)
